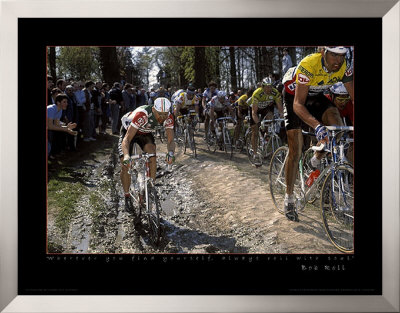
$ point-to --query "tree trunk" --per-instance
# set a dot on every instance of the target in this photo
(233, 73)
(199, 67)
(292, 53)
(52, 63)
(217, 64)
(109, 64)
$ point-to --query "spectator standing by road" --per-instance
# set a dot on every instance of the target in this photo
(104, 107)
(80, 101)
(141, 98)
(128, 98)
(88, 122)
(115, 102)
(70, 115)
(286, 61)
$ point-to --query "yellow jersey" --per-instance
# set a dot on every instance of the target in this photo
(312, 72)
(242, 101)
(264, 100)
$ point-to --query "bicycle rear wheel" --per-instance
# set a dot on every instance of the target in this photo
(337, 207)
(258, 159)
(153, 214)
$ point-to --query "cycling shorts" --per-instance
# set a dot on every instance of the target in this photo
(316, 105)
(141, 140)
(262, 112)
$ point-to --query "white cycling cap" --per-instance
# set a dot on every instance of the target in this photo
(162, 104)
(336, 49)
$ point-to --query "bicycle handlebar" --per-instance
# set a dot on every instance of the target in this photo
(272, 121)
(146, 155)
(225, 118)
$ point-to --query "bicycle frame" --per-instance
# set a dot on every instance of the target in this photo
(337, 159)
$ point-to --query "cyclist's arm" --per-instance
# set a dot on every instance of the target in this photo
(170, 139)
(131, 132)
(299, 107)
(350, 90)
(280, 107)
(54, 124)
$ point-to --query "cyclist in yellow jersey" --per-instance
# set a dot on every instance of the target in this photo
(242, 110)
(304, 101)
(263, 101)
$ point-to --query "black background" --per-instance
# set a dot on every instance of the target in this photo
(41, 274)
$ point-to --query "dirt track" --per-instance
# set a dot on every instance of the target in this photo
(210, 205)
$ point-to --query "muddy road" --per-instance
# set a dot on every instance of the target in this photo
(210, 205)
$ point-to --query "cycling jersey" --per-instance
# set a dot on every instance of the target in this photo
(176, 94)
(347, 112)
(312, 72)
(217, 105)
(183, 100)
(264, 100)
(144, 120)
(242, 101)
(207, 94)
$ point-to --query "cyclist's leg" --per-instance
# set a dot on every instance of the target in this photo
(149, 146)
(295, 143)
(125, 177)
(328, 113)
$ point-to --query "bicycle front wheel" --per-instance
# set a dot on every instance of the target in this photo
(153, 214)
(192, 143)
(277, 183)
(337, 207)
(273, 144)
(255, 157)
(228, 143)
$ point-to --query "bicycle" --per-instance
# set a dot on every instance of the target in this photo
(336, 194)
(189, 125)
(226, 139)
(241, 141)
(267, 141)
(144, 193)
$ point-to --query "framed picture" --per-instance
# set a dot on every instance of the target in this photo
(210, 278)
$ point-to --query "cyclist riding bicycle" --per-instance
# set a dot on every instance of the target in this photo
(263, 101)
(304, 101)
(340, 97)
(137, 127)
(210, 92)
(216, 108)
(242, 110)
(187, 101)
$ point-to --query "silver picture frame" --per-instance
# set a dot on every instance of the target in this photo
(388, 10)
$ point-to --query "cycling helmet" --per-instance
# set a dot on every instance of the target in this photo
(339, 89)
(267, 81)
(340, 50)
(191, 90)
(162, 104)
(221, 94)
